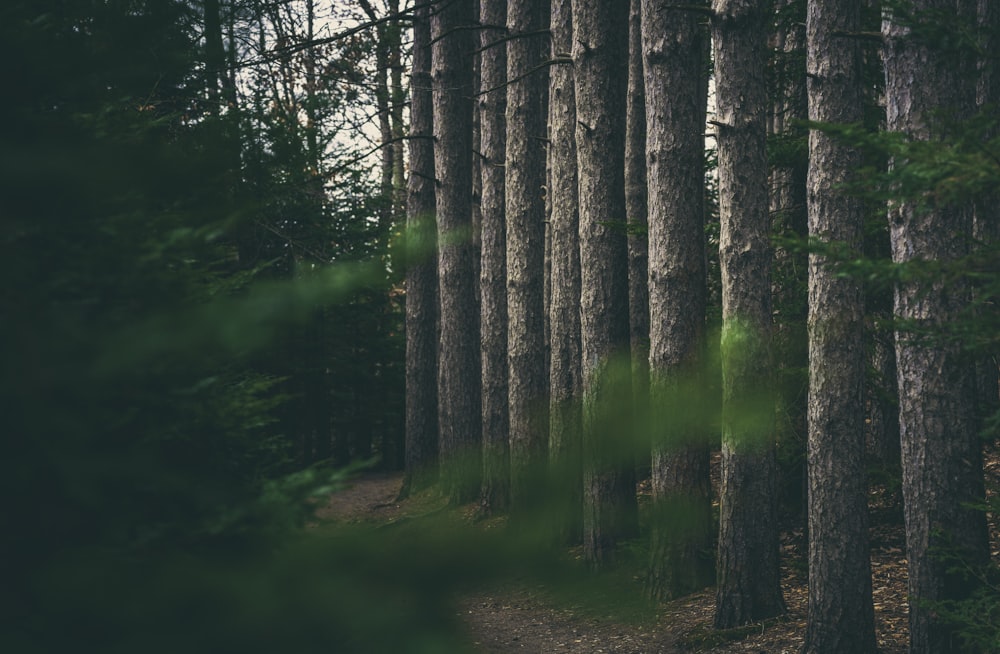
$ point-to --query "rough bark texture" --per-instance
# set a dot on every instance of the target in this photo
(636, 210)
(397, 96)
(747, 565)
(840, 614)
(493, 277)
(565, 376)
(477, 168)
(421, 273)
(600, 55)
(941, 453)
(526, 126)
(383, 52)
(459, 401)
(675, 47)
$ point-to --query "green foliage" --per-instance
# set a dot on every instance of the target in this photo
(957, 165)
(145, 394)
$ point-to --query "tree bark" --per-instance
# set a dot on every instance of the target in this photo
(526, 128)
(421, 273)
(565, 374)
(459, 380)
(397, 102)
(636, 211)
(675, 47)
(600, 54)
(749, 580)
(941, 452)
(840, 612)
(493, 278)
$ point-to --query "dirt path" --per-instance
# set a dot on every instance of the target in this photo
(521, 620)
(511, 621)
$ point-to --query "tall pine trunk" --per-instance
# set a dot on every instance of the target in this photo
(493, 277)
(841, 615)
(565, 375)
(675, 43)
(600, 54)
(459, 381)
(421, 446)
(526, 128)
(941, 451)
(749, 578)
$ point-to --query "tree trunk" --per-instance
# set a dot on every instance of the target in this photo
(749, 579)
(636, 211)
(600, 54)
(459, 366)
(941, 452)
(525, 168)
(565, 374)
(421, 273)
(675, 46)
(841, 615)
(397, 103)
(493, 278)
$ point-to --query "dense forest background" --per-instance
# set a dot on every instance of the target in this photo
(510, 249)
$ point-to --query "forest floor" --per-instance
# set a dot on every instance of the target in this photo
(525, 618)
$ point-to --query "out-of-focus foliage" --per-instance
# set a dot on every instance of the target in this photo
(145, 407)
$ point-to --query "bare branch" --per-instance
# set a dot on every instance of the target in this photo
(511, 37)
(344, 165)
(533, 70)
(464, 28)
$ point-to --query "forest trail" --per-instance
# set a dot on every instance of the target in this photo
(514, 620)
(522, 619)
